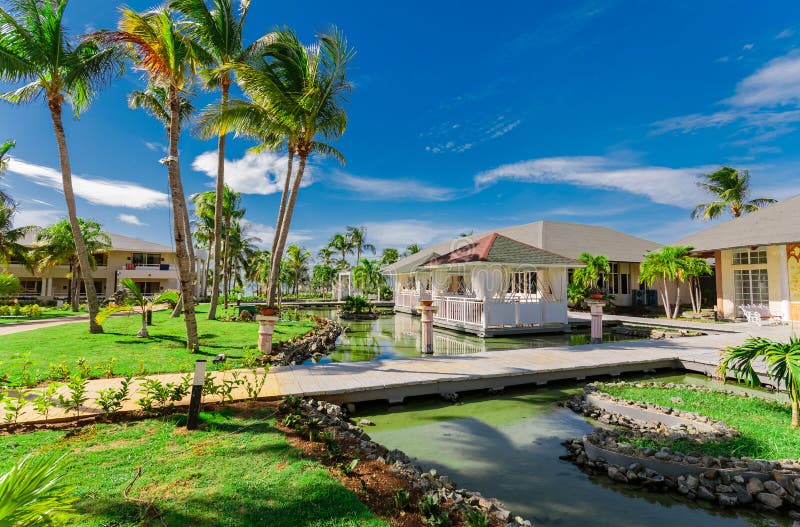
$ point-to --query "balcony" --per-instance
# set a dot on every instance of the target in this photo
(142, 271)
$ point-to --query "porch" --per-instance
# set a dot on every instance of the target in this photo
(488, 318)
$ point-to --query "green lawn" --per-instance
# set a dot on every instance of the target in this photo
(27, 357)
(47, 313)
(220, 476)
(764, 424)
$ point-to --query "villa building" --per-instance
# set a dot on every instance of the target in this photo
(757, 260)
(411, 276)
(152, 266)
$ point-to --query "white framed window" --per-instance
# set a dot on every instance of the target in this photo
(751, 286)
(523, 282)
(748, 257)
(619, 283)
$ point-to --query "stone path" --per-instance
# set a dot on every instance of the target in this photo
(399, 378)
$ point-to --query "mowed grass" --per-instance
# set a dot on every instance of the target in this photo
(764, 425)
(222, 475)
(28, 356)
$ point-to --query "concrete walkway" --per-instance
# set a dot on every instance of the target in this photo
(396, 379)
(19, 327)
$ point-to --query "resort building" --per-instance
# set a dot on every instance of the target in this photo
(757, 260)
(152, 266)
(411, 276)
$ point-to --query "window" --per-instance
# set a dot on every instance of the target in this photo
(31, 286)
(751, 286)
(746, 257)
(99, 287)
(523, 283)
(619, 283)
(100, 259)
(146, 259)
(149, 288)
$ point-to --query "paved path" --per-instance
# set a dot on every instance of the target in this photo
(18, 327)
(399, 378)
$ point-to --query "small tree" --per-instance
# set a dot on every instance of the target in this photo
(665, 265)
(367, 275)
(596, 268)
(136, 299)
(783, 366)
(693, 269)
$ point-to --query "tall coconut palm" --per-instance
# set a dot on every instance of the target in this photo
(219, 30)
(258, 269)
(341, 244)
(358, 238)
(783, 363)
(298, 259)
(325, 255)
(35, 50)
(56, 245)
(170, 59)
(731, 191)
(665, 265)
(389, 256)
(11, 248)
(367, 275)
(306, 86)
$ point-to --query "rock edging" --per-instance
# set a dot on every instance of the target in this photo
(726, 481)
(317, 344)
(428, 482)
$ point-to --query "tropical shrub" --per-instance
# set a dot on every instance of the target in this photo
(76, 396)
(32, 493)
(474, 518)
(355, 304)
(111, 400)
(401, 499)
(45, 399)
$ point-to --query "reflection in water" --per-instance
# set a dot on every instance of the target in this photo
(508, 446)
(398, 336)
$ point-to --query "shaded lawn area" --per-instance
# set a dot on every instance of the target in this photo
(221, 475)
(764, 425)
(27, 357)
(47, 313)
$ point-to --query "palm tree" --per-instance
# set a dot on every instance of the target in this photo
(665, 265)
(56, 245)
(9, 284)
(358, 239)
(4, 148)
(305, 86)
(389, 256)
(11, 248)
(596, 267)
(298, 259)
(219, 31)
(693, 269)
(342, 244)
(323, 276)
(170, 59)
(136, 299)
(325, 255)
(35, 49)
(783, 362)
(258, 269)
(32, 492)
(731, 190)
(411, 248)
(367, 275)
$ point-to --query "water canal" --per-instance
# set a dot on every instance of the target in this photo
(508, 445)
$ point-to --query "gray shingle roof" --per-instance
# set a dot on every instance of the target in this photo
(565, 239)
(775, 224)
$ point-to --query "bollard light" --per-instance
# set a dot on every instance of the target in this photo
(197, 394)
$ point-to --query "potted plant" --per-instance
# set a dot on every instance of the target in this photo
(426, 303)
(267, 311)
(595, 293)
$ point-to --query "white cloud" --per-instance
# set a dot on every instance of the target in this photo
(748, 47)
(400, 233)
(669, 186)
(459, 137)
(776, 83)
(130, 219)
(390, 189)
(786, 33)
(155, 146)
(722, 59)
(37, 217)
(265, 233)
(108, 192)
(262, 173)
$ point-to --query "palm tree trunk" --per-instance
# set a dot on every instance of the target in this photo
(143, 332)
(273, 280)
(677, 298)
(665, 298)
(795, 405)
(69, 196)
(287, 218)
(179, 213)
(691, 295)
(226, 255)
(75, 298)
(219, 193)
(699, 297)
(205, 274)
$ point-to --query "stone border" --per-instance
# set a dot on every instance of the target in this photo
(318, 343)
(429, 482)
(726, 481)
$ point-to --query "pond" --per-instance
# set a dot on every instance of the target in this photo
(398, 336)
(508, 446)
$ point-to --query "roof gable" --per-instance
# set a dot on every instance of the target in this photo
(499, 249)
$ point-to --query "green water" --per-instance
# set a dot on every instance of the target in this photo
(398, 336)
(507, 446)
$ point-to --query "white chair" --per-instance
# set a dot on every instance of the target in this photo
(752, 316)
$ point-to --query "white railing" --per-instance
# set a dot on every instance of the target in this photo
(407, 298)
(457, 309)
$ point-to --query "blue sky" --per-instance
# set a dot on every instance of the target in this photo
(467, 118)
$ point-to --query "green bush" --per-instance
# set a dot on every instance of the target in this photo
(356, 305)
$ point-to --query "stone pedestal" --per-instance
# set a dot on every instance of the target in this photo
(596, 309)
(427, 312)
(266, 326)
